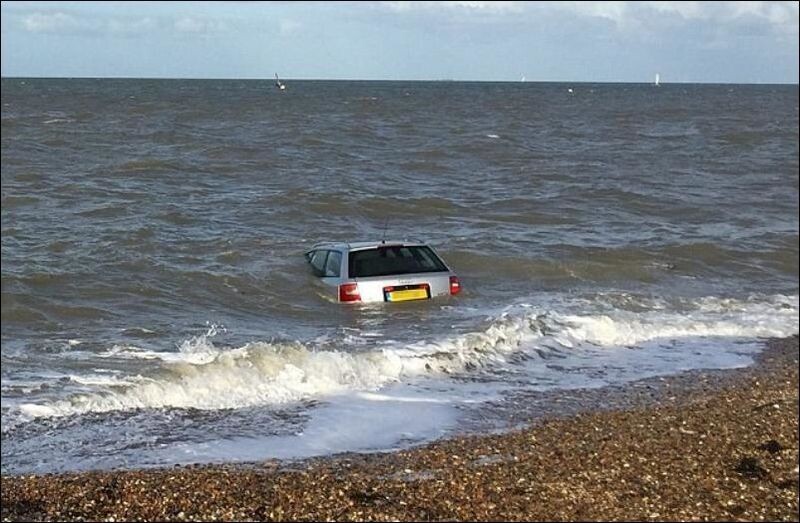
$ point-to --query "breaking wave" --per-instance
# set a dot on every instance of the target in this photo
(201, 375)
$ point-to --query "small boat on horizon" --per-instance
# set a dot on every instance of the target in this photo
(658, 80)
(278, 83)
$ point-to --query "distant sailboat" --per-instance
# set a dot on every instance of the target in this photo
(522, 79)
(658, 79)
(278, 83)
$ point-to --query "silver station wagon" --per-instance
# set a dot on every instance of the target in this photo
(381, 271)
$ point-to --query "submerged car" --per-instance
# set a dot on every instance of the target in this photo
(381, 271)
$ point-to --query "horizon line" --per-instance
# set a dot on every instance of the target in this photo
(442, 80)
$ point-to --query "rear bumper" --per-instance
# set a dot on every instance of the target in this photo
(383, 289)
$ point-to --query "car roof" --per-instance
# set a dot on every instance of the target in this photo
(360, 245)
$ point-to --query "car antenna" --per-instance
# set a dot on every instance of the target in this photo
(385, 225)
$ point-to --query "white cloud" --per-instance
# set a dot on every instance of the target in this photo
(611, 10)
(189, 24)
(50, 22)
(780, 15)
(121, 26)
(59, 22)
(497, 6)
(132, 26)
(463, 5)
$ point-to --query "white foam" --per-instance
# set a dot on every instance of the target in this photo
(197, 349)
(259, 373)
(353, 423)
(710, 317)
(103, 380)
(202, 376)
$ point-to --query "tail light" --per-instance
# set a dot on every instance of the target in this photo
(349, 292)
(455, 285)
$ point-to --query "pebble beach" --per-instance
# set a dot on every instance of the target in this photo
(699, 446)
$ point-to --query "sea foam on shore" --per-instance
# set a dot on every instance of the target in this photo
(706, 445)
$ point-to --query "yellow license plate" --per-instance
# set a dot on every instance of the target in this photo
(407, 294)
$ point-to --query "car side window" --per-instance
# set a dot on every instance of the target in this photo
(333, 265)
(318, 262)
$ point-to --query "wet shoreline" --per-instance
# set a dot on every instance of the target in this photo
(702, 445)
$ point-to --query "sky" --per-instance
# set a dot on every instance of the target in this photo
(707, 42)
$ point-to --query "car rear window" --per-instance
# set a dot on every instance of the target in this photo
(393, 259)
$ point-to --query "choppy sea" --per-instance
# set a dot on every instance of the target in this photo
(157, 309)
